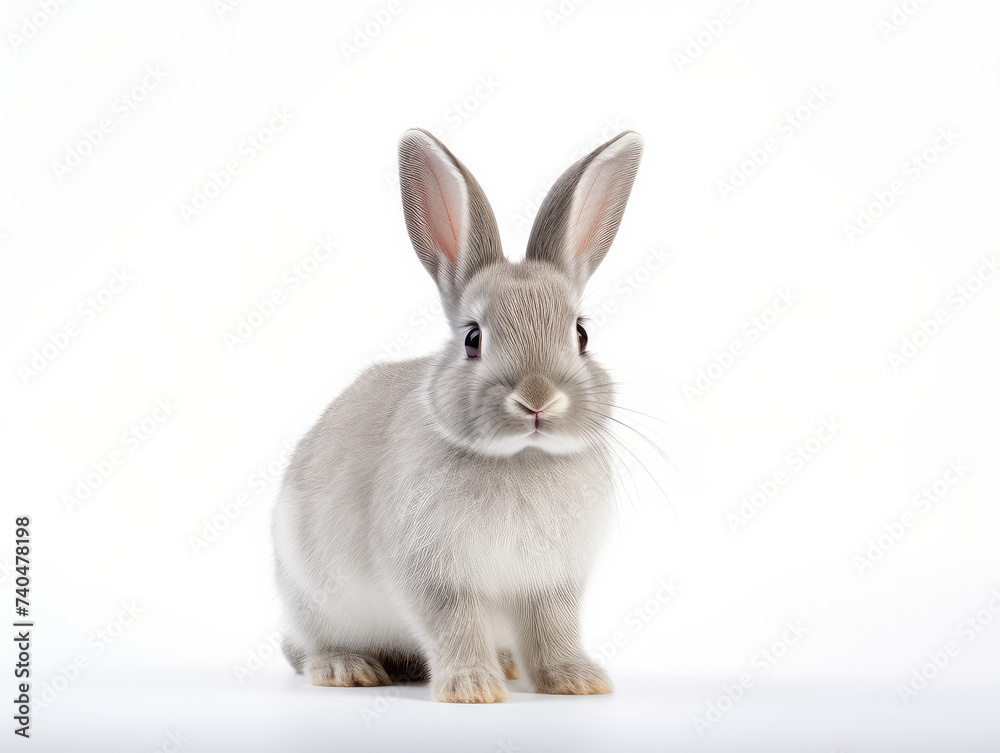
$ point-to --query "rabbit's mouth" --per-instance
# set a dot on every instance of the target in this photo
(541, 417)
(543, 426)
(546, 435)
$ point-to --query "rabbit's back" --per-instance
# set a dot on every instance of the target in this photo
(321, 524)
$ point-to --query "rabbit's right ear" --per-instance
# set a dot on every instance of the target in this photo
(448, 218)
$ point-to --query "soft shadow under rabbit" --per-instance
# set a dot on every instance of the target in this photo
(443, 514)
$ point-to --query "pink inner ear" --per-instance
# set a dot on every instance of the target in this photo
(586, 242)
(590, 217)
(443, 199)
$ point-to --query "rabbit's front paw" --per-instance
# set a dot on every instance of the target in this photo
(346, 670)
(576, 677)
(469, 685)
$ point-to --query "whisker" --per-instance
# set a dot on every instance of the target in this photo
(648, 473)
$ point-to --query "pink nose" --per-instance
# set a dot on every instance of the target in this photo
(527, 408)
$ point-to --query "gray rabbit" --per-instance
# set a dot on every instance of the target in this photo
(443, 514)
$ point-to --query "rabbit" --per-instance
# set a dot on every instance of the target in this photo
(442, 516)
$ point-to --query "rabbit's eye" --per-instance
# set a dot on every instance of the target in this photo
(582, 334)
(473, 342)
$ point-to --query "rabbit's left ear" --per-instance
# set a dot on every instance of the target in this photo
(580, 215)
(448, 218)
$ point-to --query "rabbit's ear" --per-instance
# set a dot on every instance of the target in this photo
(449, 220)
(580, 215)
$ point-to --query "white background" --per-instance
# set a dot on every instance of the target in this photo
(518, 91)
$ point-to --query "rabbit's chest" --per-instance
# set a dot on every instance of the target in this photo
(489, 529)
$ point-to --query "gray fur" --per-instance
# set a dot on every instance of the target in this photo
(421, 523)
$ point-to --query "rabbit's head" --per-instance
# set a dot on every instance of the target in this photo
(515, 373)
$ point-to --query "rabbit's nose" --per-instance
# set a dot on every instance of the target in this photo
(537, 394)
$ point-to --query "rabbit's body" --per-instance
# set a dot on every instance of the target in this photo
(378, 519)
(444, 512)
